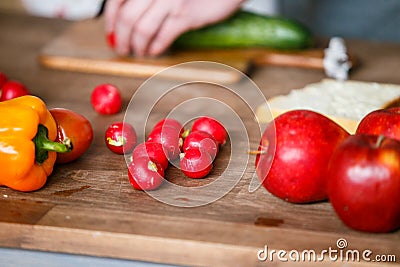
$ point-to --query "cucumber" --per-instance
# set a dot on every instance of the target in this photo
(245, 29)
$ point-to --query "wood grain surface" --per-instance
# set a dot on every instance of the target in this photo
(88, 207)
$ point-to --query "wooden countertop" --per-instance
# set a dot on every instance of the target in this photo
(88, 207)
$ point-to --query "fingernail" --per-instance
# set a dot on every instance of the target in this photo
(111, 39)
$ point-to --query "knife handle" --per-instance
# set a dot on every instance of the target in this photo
(312, 59)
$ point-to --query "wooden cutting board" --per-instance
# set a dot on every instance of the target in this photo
(83, 48)
(89, 207)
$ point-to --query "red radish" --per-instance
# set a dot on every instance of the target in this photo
(170, 122)
(145, 174)
(211, 126)
(120, 137)
(170, 138)
(3, 79)
(12, 89)
(202, 140)
(196, 163)
(153, 151)
(106, 99)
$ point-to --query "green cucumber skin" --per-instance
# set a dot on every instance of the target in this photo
(246, 29)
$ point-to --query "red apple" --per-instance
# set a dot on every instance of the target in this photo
(381, 122)
(297, 148)
(364, 183)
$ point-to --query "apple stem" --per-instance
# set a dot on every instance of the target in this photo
(379, 140)
(256, 152)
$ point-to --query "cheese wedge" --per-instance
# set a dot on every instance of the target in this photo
(346, 102)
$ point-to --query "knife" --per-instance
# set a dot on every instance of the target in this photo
(334, 60)
(101, 10)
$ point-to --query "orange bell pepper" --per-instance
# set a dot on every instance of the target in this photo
(27, 148)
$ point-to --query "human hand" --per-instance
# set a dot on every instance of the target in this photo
(149, 27)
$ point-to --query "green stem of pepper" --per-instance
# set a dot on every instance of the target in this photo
(43, 145)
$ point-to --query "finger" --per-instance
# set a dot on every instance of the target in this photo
(128, 15)
(110, 14)
(189, 16)
(170, 30)
(148, 25)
